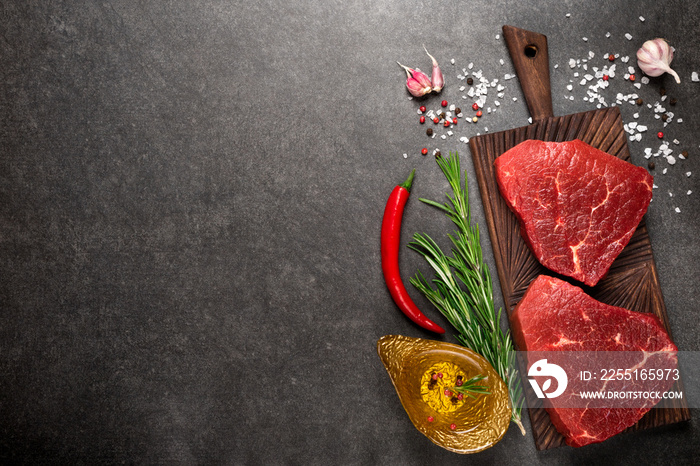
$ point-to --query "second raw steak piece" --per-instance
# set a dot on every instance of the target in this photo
(577, 206)
(558, 321)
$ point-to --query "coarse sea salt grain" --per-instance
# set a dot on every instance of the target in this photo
(641, 18)
(628, 36)
(678, 211)
(694, 76)
(689, 192)
(405, 156)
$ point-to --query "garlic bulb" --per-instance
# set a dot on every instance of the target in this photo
(655, 57)
(417, 82)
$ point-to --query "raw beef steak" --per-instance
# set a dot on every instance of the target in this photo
(559, 318)
(577, 206)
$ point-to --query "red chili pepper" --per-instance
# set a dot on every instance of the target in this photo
(390, 241)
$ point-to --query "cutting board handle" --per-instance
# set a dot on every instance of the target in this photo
(530, 56)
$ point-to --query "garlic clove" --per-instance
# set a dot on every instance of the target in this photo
(654, 58)
(436, 78)
(417, 82)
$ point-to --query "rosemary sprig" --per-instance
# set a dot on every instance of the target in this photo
(463, 290)
(470, 387)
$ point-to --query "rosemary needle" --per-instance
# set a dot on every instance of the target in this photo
(462, 289)
(470, 387)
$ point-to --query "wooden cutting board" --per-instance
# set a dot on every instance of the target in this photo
(632, 281)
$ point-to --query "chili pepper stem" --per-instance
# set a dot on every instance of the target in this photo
(407, 184)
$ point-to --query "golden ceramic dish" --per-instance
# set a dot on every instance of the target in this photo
(466, 425)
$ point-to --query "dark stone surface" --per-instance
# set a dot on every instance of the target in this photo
(190, 201)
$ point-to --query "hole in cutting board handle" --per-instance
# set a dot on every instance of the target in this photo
(530, 51)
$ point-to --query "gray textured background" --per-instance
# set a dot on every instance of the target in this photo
(190, 201)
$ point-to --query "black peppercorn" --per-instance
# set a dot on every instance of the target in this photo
(662, 91)
(639, 101)
(454, 400)
(684, 154)
(664, 117)
(443, 115)
(429, 131)
(458, 111)
(470, 81)
(652, 165)
(673, 102)
(438, 154)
